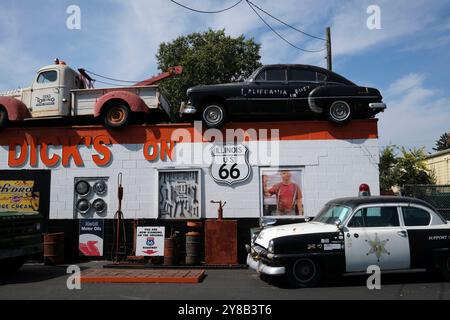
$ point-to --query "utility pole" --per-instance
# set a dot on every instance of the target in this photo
(328, 40)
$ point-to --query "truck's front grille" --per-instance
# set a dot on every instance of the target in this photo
(18, 232)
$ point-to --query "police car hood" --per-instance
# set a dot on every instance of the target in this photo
(270, 233)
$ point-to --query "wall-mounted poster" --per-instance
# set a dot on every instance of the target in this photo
(282, 191)
(150, 241)
(179, 194)
(18, 196)
(91, 237)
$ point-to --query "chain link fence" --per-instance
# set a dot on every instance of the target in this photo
(436, 195)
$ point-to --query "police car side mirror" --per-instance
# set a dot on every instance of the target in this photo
(338, 224)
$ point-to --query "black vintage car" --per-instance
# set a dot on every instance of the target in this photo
(283, 91)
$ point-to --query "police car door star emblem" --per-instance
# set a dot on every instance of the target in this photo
(230, 163)
(378, 247)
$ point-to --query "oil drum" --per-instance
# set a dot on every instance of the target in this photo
(54, 248)
(193, 247)
(169, 251)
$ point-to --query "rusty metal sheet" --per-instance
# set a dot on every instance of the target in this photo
(221, 242)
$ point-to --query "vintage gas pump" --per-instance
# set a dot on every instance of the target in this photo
(119, 233)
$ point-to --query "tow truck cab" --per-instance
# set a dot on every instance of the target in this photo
(50, 93)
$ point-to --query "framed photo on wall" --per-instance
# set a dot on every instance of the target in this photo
(179, 194)
(281, 191)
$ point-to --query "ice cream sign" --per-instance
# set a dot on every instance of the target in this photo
(18, 196)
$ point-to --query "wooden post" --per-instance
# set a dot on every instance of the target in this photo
(328, 40)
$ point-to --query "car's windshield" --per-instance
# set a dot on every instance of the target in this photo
(253, 74)
(331, 213)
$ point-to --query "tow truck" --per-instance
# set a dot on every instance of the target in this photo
(59, 91)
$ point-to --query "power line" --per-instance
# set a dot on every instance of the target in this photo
(108, 83)
(286, 24)
(112, 79)
(278, 34)
(202, 11)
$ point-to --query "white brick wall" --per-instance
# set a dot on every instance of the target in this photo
(332, 168)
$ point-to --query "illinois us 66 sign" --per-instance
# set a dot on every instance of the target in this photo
(230, 163)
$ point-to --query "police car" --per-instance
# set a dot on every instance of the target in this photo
(351, 234)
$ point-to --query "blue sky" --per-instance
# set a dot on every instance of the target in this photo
(407, 59)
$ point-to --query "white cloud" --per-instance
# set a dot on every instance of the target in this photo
(416, 115)
(123, 43)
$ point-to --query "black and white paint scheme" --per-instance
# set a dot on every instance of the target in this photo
(179, 194)
(351, 234)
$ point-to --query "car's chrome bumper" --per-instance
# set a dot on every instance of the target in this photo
(377, 106)
(186, 108)
(259, 266)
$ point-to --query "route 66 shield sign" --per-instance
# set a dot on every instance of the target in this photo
(230, 163)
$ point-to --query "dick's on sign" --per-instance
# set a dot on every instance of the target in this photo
(230, 163)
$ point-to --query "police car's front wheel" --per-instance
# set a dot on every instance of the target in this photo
(445, 268)
(304, 273)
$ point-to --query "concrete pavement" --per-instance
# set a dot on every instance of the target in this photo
(35, 281)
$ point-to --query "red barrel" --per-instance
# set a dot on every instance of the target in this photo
(54, 248)
(169, 251)
(193, 247)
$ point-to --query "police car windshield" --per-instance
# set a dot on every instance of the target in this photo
(330, 213)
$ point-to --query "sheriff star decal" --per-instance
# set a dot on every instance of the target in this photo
(378, 247)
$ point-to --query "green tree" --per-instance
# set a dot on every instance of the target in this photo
(209, 57)
(442, 143)
(387, 168)
(407, 168)
(412, 168)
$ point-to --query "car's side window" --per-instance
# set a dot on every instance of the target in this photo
(47, 77)
(276, 74)
(375, 217)
(321, 76)
(357, 220)
(415, 217)
(302, 75)
(297, 74)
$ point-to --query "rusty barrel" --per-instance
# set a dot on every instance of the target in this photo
(193, 246)
(169, 251)
(54, 248)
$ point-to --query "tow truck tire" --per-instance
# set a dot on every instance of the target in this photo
(3, 117)
(304, 273)
(445, 268)
(214, 115)
(339, 112)
(116, 115)
(11, 265)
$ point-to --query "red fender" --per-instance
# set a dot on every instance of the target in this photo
(135, 102)
(16, 109)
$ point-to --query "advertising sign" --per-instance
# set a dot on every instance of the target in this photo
(150, 241)
(18, 196)
(91, 237)
(230, 164)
